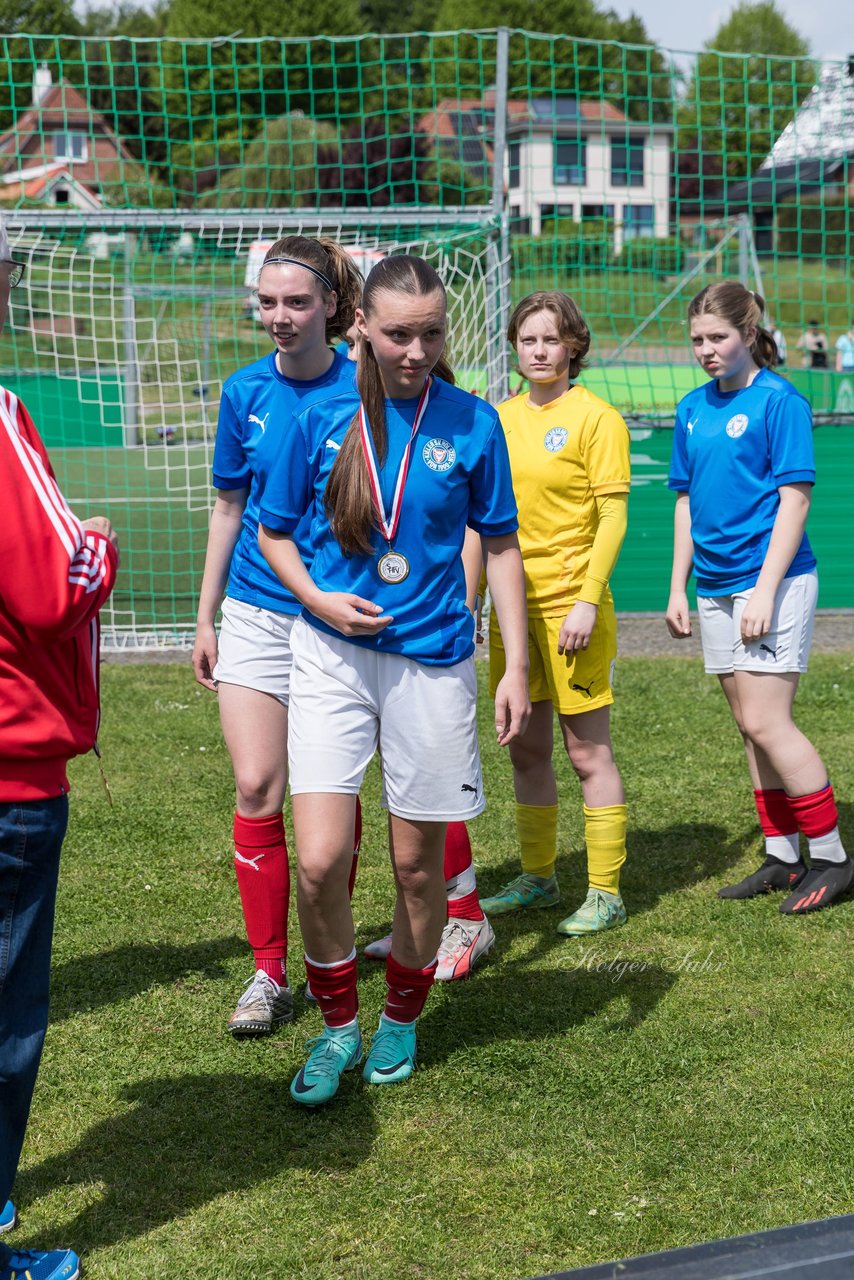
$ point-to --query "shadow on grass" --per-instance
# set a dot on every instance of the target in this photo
(93, 981)
(187, 1140)
(511, 1001)
(660, 863)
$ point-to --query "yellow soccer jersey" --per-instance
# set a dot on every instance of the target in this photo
(563, 457)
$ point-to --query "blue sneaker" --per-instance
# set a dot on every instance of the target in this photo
(58, 1264)
(8, 1217)
(330, 1055)
(392, 1055)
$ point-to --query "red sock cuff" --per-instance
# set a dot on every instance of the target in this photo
(408, 990)
(816, 814)
(776, 815)
(457, 850)
(258, 833)
(466, 908)
(334, 988)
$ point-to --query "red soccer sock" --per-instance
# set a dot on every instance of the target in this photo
(357, 845)
(779, 824)
(816, 814)
(460, 881)
(334, 988)
(408, 990)
(264, 881)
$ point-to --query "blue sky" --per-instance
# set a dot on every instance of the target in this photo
(828, 25)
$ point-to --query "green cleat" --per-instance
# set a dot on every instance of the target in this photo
(331, 1054)
(525, 891)
(599, 911)
(392, 1055)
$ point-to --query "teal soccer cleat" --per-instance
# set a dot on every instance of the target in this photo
(599, 911)
(330, 1055)
(392, 1055)
(526, 891)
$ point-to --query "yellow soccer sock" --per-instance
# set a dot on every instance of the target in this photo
(536, 826)
(605, 835)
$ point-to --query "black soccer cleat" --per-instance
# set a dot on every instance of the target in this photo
(823, 884)
(772, 875)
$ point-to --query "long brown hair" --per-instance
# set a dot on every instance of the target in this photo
(347, 501)
(743, 310)
(326, 259)
(571, 326)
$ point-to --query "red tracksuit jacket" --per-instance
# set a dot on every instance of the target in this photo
(54, 577)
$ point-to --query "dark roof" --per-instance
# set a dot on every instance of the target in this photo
(775, 184)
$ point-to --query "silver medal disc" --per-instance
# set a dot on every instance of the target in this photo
(393, 567)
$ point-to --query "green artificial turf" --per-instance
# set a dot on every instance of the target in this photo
(683, 1078)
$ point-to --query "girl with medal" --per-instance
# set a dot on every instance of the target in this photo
(743, 471)
(307, 294)
(384, 648)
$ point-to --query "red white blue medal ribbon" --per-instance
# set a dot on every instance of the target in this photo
(388, 524)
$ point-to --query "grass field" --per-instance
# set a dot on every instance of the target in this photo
(684, 1078)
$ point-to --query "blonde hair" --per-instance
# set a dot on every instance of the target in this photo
(347, 500)
(332, 268)
(742, 309)
(571, 326)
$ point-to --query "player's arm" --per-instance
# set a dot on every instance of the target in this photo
(612, 510)
(506, 577)
(347, 613)
(786, 536)
(57, 570)
(223, 533)
(678, 617)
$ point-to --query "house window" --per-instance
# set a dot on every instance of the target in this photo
(638, 221)
(570, 163)
(597, 212)
(627, 161)
(514, 179)
(555, 213)
(70, 146)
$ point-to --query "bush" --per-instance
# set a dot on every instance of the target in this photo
(665, 257)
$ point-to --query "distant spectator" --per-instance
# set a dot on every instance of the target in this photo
(780, 343)
(845, 351)
(813, 343)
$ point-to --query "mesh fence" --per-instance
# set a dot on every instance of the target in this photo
(140, 177)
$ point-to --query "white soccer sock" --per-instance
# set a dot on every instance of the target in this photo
(783, 848)
(827, 847)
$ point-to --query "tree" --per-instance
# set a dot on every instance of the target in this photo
(597, 56)
(747, 85)
(19, 56)
(280, 167)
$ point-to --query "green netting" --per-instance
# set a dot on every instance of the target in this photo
(139, 173)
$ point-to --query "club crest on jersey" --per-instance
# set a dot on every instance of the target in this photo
(555, 439)
(439, 454)
(737, 425)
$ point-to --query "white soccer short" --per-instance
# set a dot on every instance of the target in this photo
(785, 648)
(347, 702)
(255, 648)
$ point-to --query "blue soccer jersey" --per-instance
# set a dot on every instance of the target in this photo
(731, 452)
(256, 407)
(459, 474)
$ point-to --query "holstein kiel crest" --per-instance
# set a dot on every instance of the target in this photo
(555, 439)
(439, 454)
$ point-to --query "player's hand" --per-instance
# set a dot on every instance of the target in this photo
(512, 707)
(678, 615)
(351, 615)
(577, 627)
(757, 615)
(205, 654)
(100, 524)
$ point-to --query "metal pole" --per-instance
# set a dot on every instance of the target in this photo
(498, 254)
(130, 428)
(744, 250)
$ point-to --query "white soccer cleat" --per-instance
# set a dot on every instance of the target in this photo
(379, 950)
(464, 943)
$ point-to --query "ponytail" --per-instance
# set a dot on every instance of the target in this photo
(348, 502)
